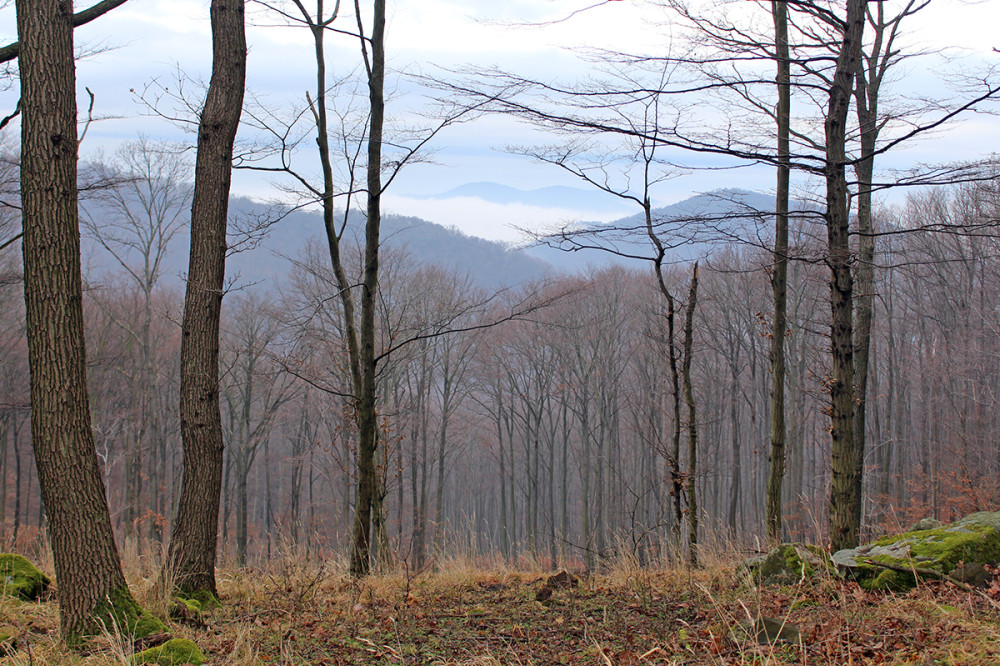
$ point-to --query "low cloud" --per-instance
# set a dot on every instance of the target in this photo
(493, 221)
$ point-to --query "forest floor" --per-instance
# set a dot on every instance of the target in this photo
(292, 612)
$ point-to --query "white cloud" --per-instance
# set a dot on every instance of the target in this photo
(499, 222)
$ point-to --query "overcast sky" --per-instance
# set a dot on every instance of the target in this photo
(150, 40)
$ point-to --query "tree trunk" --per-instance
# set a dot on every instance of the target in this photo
(843, 533)
(191, 554)
(779, 278)
(367, 420)
(17, 485)
(446, 378)
(242, 471)
(91, 585)
(692, 472)
(674, 459)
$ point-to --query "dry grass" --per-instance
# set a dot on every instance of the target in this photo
(464, 612)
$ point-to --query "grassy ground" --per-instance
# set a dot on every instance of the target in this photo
(293, 612)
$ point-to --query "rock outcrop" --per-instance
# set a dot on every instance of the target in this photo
(960, 551)
(787, 564)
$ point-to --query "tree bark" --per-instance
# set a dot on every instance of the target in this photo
(779, 278)
(843, 533)
(367, 418)
(83, 546)
(674, 458)
(192, 551)
(692, 472)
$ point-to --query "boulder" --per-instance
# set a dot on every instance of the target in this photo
(925, 524)
(787, 564)
(958, 551)
(20, 578)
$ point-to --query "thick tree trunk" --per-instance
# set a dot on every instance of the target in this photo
(843, 531)
(91, 584)
(779, 278)
(191, 554)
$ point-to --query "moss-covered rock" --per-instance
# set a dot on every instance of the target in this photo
(20, 578)
(787, 564)
(895, 563)
(175, 652)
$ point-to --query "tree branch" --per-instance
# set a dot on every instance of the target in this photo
(11, 51)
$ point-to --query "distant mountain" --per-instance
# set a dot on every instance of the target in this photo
(269, 258)
(556, 196)
(691, 228)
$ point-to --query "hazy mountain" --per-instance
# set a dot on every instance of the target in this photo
(693, 228)
(696, 226)
(268, 259)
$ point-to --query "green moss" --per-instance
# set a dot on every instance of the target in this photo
(205, 599)
(191, 605)
(944, 548)
(193, 608)
(174, 652)
(8, 640)
(119, 613)
(20, 578)
(974, 539)
(889, 580)
(786, 564)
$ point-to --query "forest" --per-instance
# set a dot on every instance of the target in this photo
(377, 451)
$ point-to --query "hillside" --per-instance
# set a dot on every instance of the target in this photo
(269, 257)
(489, 264)
(693, 228)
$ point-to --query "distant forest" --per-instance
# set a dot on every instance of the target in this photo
(513, 432)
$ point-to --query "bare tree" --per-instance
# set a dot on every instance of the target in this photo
(92, 590)
(254, 391)
(362, 150)
(191, 555)
(692, 420)
(134, 222)
(779, 277)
